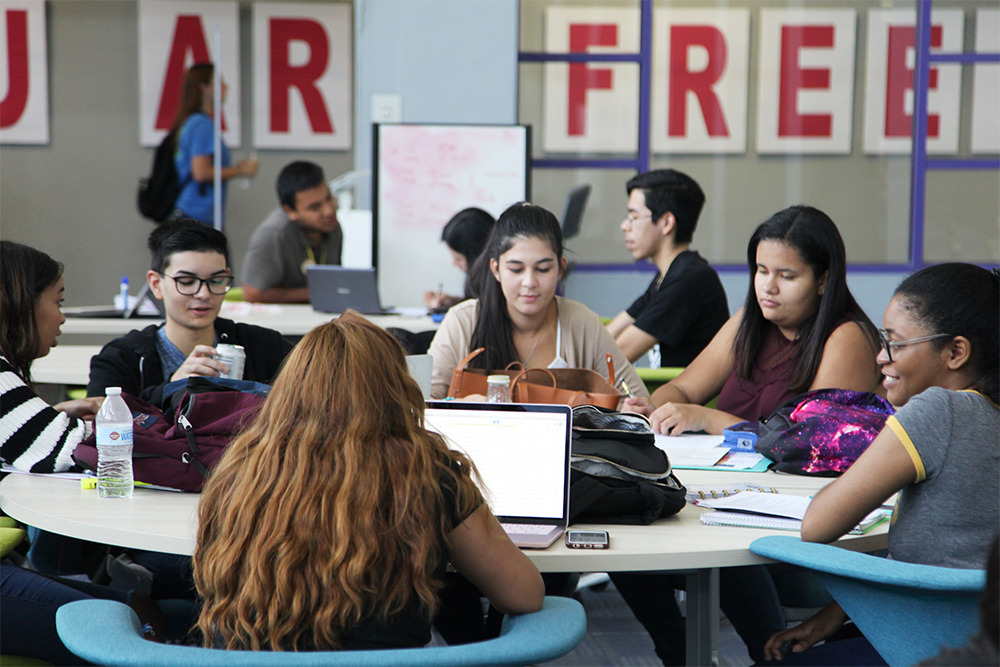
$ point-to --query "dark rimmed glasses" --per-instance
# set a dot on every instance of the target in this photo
(888, 345)
(191, 285)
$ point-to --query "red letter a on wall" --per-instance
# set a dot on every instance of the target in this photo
(189, 37)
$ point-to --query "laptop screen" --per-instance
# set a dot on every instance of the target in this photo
(521, 451)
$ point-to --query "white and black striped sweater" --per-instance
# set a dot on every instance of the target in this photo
(33, 435)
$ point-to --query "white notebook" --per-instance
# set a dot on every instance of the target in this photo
(771, 512)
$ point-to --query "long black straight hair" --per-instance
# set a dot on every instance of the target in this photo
(813, 234)
(24, 274)
(494, 329)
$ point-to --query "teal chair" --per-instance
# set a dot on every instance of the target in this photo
(109, 633)
(908, 612)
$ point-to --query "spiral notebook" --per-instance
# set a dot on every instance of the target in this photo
(771, 512)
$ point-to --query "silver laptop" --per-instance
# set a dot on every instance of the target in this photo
(335, 289)
(522, 453)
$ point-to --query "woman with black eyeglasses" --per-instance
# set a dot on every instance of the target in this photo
(190, 273)
(939, 358)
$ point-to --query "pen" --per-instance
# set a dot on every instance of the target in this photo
(437, 298)
(625, 388)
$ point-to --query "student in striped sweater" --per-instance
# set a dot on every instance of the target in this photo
(34, 436)
(37, 437)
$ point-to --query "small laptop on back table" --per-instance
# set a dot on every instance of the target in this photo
(335, 289)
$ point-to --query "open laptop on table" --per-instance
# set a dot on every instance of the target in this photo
(522, 453)
(335, 289)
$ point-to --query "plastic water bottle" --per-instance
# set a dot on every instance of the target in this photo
(114, 446)
(498, 389)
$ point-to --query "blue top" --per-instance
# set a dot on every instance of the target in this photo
(197, 137)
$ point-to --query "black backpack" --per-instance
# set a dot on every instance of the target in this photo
(618, 474)
(158, 193)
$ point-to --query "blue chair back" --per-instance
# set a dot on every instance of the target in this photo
(109, 633)
(908, 612)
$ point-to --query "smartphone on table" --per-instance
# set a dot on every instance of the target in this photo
(587, 539)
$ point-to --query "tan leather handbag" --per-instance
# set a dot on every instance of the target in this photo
(565, 386)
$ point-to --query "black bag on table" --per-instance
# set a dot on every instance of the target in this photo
(618, 474)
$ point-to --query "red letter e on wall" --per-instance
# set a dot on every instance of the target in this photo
(794, 77)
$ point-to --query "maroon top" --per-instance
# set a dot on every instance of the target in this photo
(766, 389)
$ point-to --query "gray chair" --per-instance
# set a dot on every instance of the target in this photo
(109, 633)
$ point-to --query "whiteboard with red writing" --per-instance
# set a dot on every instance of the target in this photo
(425, 174)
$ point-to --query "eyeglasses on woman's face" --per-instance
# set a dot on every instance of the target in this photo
(890, 345)
(191, 285)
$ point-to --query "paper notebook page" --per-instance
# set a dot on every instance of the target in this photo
(691, 450)
(772, 504)
(740, 520)
(687, 441)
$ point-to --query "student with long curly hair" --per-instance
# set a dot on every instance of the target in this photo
(329, 522)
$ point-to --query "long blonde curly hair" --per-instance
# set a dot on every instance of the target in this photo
(329, 509)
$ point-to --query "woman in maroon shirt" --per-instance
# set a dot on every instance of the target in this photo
(799, 329)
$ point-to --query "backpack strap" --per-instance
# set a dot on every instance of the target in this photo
(192, 456)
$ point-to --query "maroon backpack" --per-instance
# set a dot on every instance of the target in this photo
(179, 447)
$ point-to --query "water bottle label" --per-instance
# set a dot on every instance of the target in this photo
(114, 436)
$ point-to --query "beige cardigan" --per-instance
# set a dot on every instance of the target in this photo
(584, 343)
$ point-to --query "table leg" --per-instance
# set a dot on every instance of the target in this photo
(702, 611)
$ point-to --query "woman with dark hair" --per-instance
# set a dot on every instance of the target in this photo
(465, 235)
(799, 329)
(328, 524)
(34, 436)
(939, 356)
(518, 317)
(40, 438)
(194, 134)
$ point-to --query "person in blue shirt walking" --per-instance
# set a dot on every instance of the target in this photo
(195, 136)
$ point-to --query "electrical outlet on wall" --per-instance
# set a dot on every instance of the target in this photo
(387, 108)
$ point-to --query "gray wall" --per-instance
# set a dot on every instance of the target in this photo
(450, 60)
(75, 197)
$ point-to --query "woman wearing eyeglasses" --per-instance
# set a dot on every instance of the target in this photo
(190, 273)
(939, 358)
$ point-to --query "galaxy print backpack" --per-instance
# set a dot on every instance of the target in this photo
(821, 432)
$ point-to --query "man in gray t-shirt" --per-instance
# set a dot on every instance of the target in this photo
(302, 231)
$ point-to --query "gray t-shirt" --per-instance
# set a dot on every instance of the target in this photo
(279, 250)
(950, 516)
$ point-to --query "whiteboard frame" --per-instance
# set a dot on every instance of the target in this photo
(377, 160)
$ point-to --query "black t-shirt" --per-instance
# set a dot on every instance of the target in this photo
(685, 311)
(409, 628)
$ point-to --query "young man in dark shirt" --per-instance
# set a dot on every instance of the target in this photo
(685, 304)
(190, 273)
